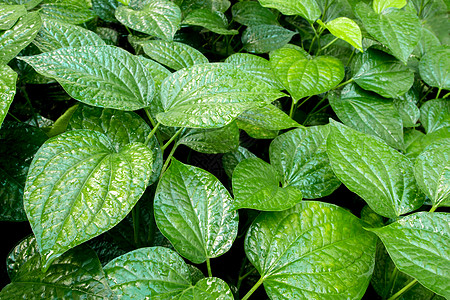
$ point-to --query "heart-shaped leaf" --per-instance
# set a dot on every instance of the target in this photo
(103, 76)
(299, 156)
(214, 21)
(256, 185)
(251, 13)
(265, 38)
(79, 186)
(380, 5)
(9, 14)
(68, 11)
(194, 211)
(435, 114)
(295, 252)
(418, 245)
(308, 9)
(434, 67)
(380, 175)
(160, 18)
(7, 90)
(232, 159)
(347, 30)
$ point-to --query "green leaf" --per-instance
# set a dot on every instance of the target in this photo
(194, 211)
(173, 54)
(251, 13)
(407, 107)
(299, 156)
(434, 67)
(303, 77)
(211, 288)
(397, 29)
(216, 140)
(160, 18)
(380, 175)
(435, 114)
(380, 5)
(55, 35)
(29, 4)
(347, 30)
(369, 113)
(8, 82)
(61, 123)
(418, 246)
(432, 171)
(211, 96)
(308, 9)
(268, 117)
(231, 159)
(69, 11)
(381, 73)
(77, 274)
(295, 252)
(256, 185)
(158, 72)
(265, 38)
(9, 14)
(103, 76)
(12, 41)
(255, 131)
(14, 166)
(214, 21)
(422, 141)
(105, 9)
(80, 185)
(428, 41)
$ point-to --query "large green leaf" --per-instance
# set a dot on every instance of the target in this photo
(103, 76)
(80, 185)
(69, 11)
(268, 117)
(7, 90)
(347, 30)
(211, 96)
(265, 38)
(9, 14)
(214, 21)
(12, 41)
(418, 245)
(369, 113)
(173, 54)
(380, 5)
(398, 29)
(29, 4)
(251, 13)
(194, 211)
(77, 274)
(295, 252)
(434, 67)
(256, 185)
(160, 18)
(377, 71)
(303, 77)
(427, 42)
(55, 34)
(299, 156)
(432, 171)
(308, 9)
(158, 72)
(435, 114)
(380, 175)
(232, 159)
(160, 273)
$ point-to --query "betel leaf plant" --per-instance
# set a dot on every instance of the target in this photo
(217, 149)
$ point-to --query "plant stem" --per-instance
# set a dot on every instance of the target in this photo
(238, 284)
(152, 133)
(25, 94)
(291, 112)
(403, 290)
(438, 93)
(303, 102)
(149, 116)
(433, 208)
(254, 288)
(327, 45)
(343, 83)
(14, 117)
(208, 265)
(351, 57)
(446, 95)
(393, 280)
(135, 215)
(171, 139)
(166, 163)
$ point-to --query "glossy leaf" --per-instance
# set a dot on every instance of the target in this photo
(435, 114)
(398, 29)
(29, 4)
(255, 131)
(407, 107)
(160, 18)
(428, 40)
(380, 5)
(418, 245)
(381, 73)
(12, 41)
(103, 76)
(105, 9)
(231, 159)
(432, 171)
(7, 90)
(347, 30)
(55, 34)
(173, 54)
(369, 113)
(299, 157)
(158, 72)
(308, 9)
(211, 288)
(295, 252)
(421, 141)
(69, 11)
(9, 14)
(214, 21)
(256, 185)
(77, 274)
(434, 67)
(268, 117)
(80, 185)
(380, 175)
(211, 96)
(193, 210)
(251, 13)
(265, 38)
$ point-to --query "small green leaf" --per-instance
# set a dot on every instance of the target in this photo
(421, 141)
(255, 131)
(194, 211)
(380, 5)
(299, 156)
(173, 54)
(265, 38)
(20, 254)
(12, 41)
(214, 21)
(79, 186)
(29, 4)
(256, 185)
(380, 175)
(231, 159)
(434, 67)
(160, 18)
(295, 252)
(435, 114)
(432, 171)
(347, 30)
(69, 11)
(105, 9)
(211, 288)
(104, 76)
(9, 14)
(251, 13)
(8, 82)
(268, 117)
(308, 9)
(418, 245)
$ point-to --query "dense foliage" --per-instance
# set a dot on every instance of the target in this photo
(217, 149)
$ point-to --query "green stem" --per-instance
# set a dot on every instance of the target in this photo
(14, 117)
(327, 45)
(351, 57)
(254, 288)
(303, 102)
(291, 112)
(316, 36)
(149, 116)
(343, 83)
(241, 270)
(446, 95)
(438, 93)
(135, 215)
(25, 94)
(129, 31)
(171, 139)
(403, 290)
(208, 265)
(393, 280)
(166, 163)
(152, 133)
(433, 208)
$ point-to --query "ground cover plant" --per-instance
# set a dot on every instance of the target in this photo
(216, 149)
